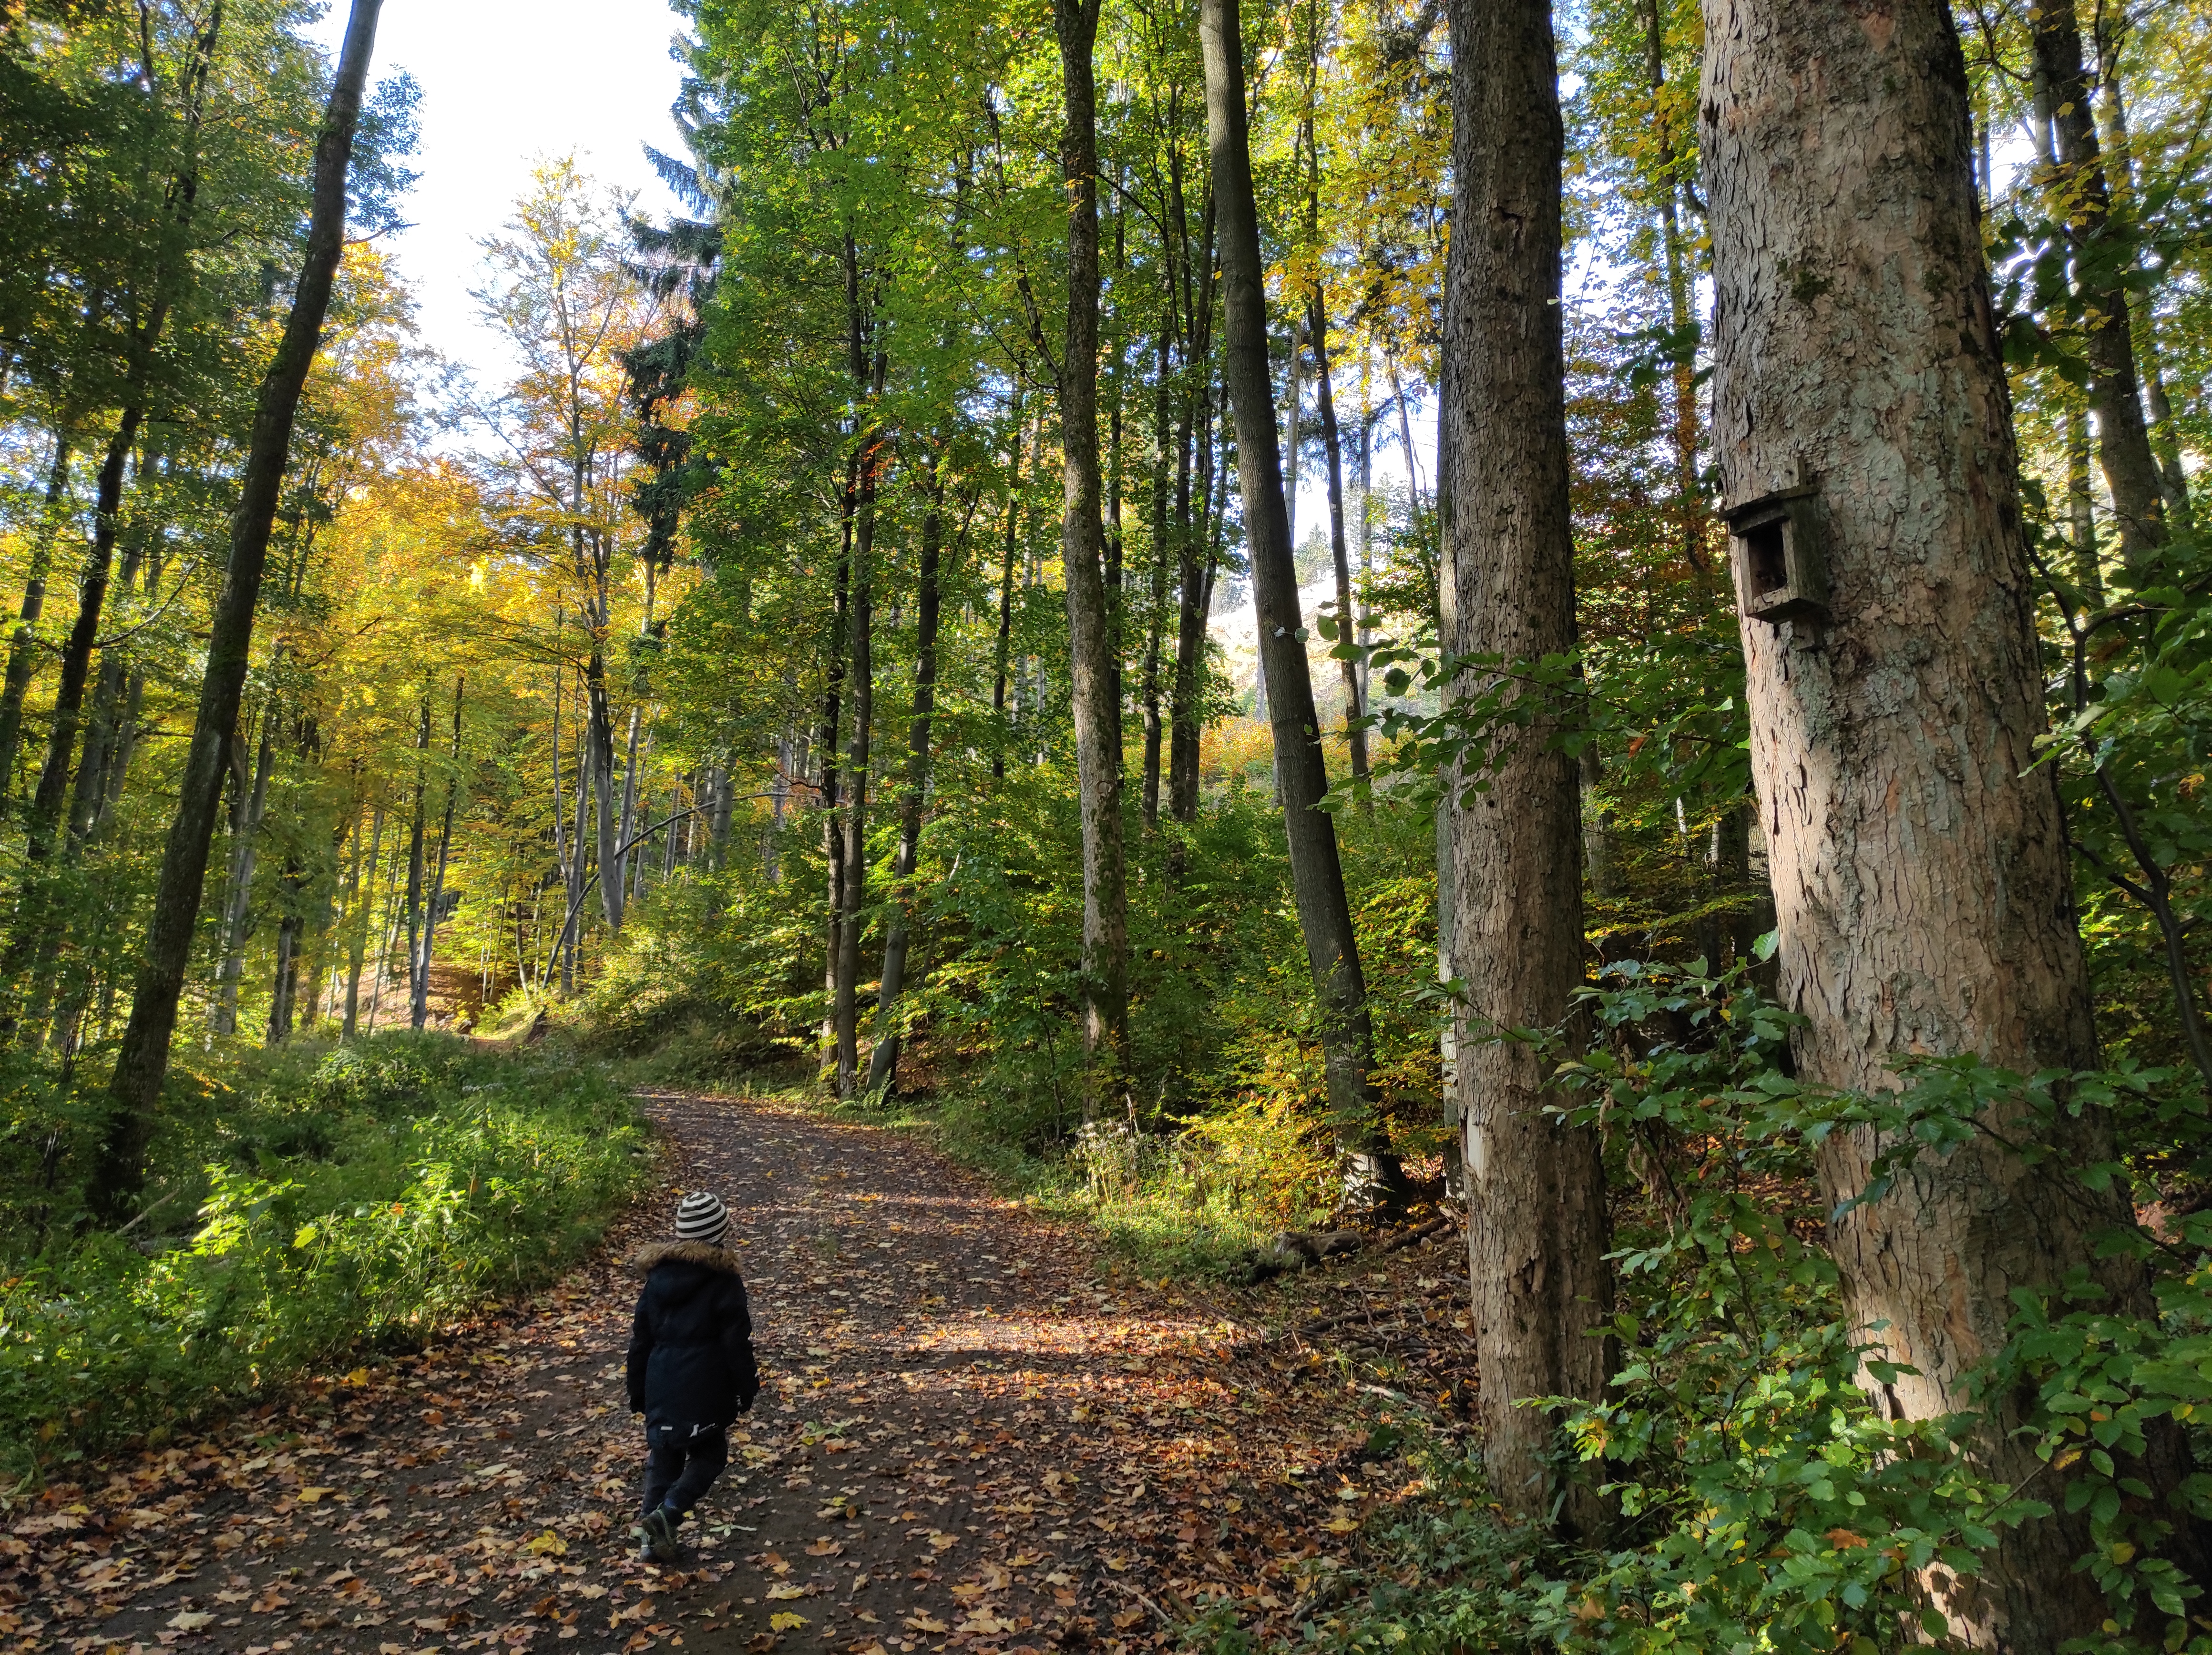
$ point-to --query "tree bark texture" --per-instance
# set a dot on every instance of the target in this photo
(1155, 596)
(852, 885)
(883, 1063)
(2111, 26)
(1537, 1210)
(361, 913)
(2081, 198)
(1332, 447)
(1919, 865)
(1002, 651)
(421, 967)
(1094, 673)
(142, 1063)
(22, 651)
(1317, 874)
(418, 1005)
(249, 801)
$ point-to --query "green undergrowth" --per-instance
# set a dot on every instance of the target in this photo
(320, 1200)
(1187, 1200)
(1157, 1197)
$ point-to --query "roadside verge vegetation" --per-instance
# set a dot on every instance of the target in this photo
(317, 1200)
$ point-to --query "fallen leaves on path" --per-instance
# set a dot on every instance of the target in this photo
(976, 1435)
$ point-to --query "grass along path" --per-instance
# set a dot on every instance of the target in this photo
(976, 1434)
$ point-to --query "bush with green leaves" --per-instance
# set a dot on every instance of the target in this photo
(361, 1195)
(1765, 1503)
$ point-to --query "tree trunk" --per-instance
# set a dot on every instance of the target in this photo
(882, 1064)
(142, 1063)
(23, 653)
(2111, 26)
(852, 885)
(1316, 874)
(833, 849)
(626, 820)
(177, 202)
(1919, 861)
(1093, 671)
(1155, 596)
(572, 931)
(249, 801)
(599, 730)
(1002, 654)
(359, 916)
(2080, 188)
(1688, 494)
(571, 871)
(1192, 592)
(417, 987)
(420, 1008)
(84, 633)
(284, 982)
(1536, 1207)
(1600, 851)
(2080, 509)
(1325, 400)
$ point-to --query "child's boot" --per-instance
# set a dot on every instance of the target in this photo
(657, 1530)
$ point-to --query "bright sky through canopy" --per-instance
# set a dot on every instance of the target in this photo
(505, 82)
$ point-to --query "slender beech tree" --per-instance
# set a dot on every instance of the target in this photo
(1333, 449)
(883, 1063)
(142, 1064)
(1536, 1211)
(853, 851)
(1094, 674)
(1920, 862)
(1002, 649)
(1317, 874)
(22, 650)
(418, 1001)
(1155, 596)
(2082, 200)
(419, 966)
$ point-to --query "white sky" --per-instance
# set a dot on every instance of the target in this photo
(504, 82)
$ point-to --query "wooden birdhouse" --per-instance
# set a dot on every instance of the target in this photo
(1780, 555)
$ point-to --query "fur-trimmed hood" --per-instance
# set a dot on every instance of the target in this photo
(686, 1252)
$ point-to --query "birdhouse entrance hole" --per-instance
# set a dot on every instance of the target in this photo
(1766, 559)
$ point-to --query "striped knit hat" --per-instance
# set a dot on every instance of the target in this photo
(702, 1217)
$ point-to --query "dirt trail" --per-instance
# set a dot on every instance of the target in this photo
(971, 1436)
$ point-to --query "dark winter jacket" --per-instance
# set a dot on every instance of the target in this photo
(691, 1344)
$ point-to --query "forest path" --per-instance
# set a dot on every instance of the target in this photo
(974, 1434)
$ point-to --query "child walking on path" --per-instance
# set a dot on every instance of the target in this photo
(691, 1368)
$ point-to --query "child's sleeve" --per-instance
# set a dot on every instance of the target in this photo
(738, 1347)
(641, 1348)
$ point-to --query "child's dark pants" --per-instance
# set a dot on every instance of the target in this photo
(682, 1466)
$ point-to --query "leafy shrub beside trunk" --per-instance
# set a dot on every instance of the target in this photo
(333, 1197)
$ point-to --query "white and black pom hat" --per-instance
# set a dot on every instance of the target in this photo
(700, 1216)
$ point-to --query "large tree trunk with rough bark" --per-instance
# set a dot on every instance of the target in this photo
(1316, 873)
(1919, 863)
(1536, 1211)
(1095, 676)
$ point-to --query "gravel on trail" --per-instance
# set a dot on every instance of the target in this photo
(977, 1432)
